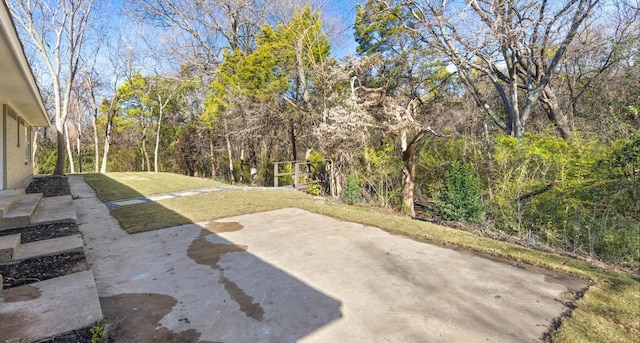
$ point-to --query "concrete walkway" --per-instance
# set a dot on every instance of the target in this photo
(290, 275)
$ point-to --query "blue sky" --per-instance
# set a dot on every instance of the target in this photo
(344, 10)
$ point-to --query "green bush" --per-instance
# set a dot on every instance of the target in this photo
(352, 192)
(313, 187)
(592, 209)
(98, 332)
(379, 173)
(460, 196)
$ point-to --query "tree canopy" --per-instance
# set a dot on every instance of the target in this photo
(519, 116)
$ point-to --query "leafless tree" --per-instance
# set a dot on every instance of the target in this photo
(518, 45)
(57, 32)
(207, 25)
(598, 63)
(120, 60)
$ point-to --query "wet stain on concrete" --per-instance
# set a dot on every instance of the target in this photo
(245, 301)
(204, 252)
(216, 227)
(207, 253)
(23, 293)
(137, 316)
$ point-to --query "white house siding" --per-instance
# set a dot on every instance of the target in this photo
(18, 166)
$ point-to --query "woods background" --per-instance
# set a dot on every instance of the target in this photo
(521, 117)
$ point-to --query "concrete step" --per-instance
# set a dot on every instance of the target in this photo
(22, 212)
(48, 308)
(55, 210)
(49, 247)
(8, 198)
(9, 247)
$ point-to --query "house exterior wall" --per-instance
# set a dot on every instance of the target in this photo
(2, 159)
(17, 145)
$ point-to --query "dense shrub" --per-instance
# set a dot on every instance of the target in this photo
(352, 193)
(590, 197)
(460, 196)
(380, 173)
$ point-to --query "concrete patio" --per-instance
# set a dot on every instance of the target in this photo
(290, 275)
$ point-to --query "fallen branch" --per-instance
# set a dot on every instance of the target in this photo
(538, 191)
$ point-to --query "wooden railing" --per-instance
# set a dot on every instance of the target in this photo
(300, 170)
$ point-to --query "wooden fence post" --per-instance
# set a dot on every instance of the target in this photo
(275, 174)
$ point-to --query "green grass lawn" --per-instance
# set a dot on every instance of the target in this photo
(608, 312)
(114, 186)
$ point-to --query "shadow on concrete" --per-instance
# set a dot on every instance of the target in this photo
(189, 284)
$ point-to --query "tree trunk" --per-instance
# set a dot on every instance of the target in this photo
(301, 74)
(35, 146)
(292, 133)
(241, 176)
(96, 147)
(556, 115)
(253, 165)
(155, 151)
(212, 154)
(107, 142)
(69, 151)
(410, 159)
(79, 151)
(228, 141)
(59, 169)
(143, 148)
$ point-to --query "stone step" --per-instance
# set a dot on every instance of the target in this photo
(9, 247)
(55, 210)
(48, 308)
(49, 247)
(21, 213)
(8, 198)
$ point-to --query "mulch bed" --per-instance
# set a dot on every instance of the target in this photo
(50, 186)
(76, 336)
(43, 231)
(20, 273)
(29, 271)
